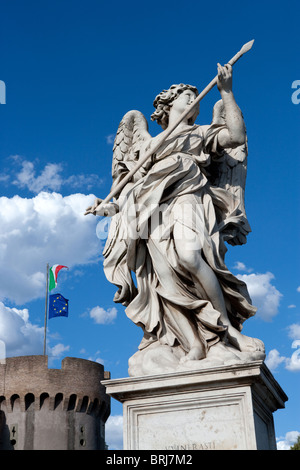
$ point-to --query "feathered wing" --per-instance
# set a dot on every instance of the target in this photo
(228, 171)
(132, 132)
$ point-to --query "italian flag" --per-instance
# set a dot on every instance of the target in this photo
(53, 272)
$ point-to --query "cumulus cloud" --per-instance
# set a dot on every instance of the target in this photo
(103, 317)
(18, 334)
(47, 228)
(114, 432)
(285, 442)
(274, 359)
(20, 337)
(263, 293)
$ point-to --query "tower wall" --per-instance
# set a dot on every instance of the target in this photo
(59, 409)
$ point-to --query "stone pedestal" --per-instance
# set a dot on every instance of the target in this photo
(220, 408)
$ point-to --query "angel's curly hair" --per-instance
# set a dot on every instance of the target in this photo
(163, 101)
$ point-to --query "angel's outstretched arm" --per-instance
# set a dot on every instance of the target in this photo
(235, 132)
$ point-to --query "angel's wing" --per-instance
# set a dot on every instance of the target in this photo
(228, 171)
(132, 132)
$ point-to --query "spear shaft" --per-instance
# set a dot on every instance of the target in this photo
(170, 129)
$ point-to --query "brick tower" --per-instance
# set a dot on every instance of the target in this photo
(52, 409)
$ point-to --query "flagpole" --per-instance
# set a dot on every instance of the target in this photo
(46, 307)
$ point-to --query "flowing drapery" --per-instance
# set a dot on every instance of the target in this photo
(175, 190)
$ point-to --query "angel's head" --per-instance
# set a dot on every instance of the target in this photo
(164, 101)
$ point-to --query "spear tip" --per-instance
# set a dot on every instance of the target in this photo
(246, 47)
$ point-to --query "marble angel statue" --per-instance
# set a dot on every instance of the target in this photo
(169, 225)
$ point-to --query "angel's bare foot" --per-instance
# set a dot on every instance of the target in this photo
(244, 343)
(196, 353)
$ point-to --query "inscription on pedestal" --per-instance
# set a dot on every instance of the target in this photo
(196, 423)
(194, 446)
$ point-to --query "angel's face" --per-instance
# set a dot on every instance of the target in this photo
(183, 100)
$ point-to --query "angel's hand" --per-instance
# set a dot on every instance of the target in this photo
(224, 81)
(109, 209)
(91, 209)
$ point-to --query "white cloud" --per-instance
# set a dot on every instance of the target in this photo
(100, 360)
(285, 443)
(82, 181)
(19, 335)
(114, 432)
(47, 228)
(294, 331)
(264, 295)
(110, 139)
(95, 357)
(102, 316)
(298, 289)
(57, 351)
(242, 267)
(293, 363)
(50, 178)
(292, 306)
(273, 359)
(4, 178)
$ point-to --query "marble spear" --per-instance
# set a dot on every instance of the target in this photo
(246, 47)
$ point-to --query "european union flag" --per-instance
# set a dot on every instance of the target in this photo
(58, 306)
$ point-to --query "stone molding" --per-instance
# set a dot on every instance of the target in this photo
(220, 408)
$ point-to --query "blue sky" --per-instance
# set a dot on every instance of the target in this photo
(72, 69)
